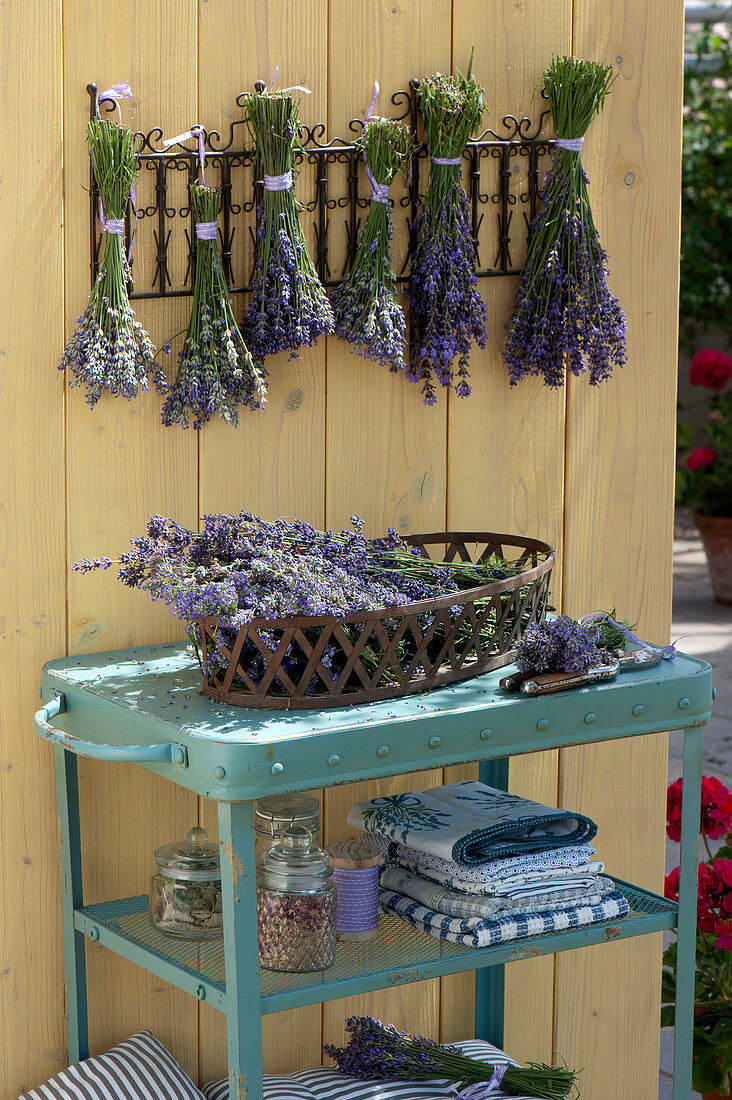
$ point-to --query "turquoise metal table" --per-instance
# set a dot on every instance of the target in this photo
(145, 705)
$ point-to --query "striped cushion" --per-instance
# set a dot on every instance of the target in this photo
(324, 1083)
(140, 1068)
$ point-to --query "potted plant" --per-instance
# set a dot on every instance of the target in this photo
(705, 477)
(712, 1053)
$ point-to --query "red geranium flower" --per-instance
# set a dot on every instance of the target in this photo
(724, 934)
(671, 885)
(710, 368)
(723, 871)
(716, 808)
(702, 456)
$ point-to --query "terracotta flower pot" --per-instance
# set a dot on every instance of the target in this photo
(716, 535)
(717, 1095)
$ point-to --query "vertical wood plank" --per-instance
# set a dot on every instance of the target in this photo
(273, 463)
(32, 526)
(619, 513)
(122, 466)
(506, 446)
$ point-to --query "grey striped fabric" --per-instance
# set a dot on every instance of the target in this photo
(140, 1068)
(324, 1083)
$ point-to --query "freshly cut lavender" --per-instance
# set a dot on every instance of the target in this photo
(289, 307)
(446, 311)
(380, 1052)
(240, 568)
(566, 317)
(560, 645)
(365, 306)
(216, 372)
(110, 351)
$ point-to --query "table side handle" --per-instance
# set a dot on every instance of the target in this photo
(167, 753)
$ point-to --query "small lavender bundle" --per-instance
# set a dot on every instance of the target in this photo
(110, 351)
(446, 311)
(289, 307)
(559, 645)
(216, 372)
(565, 314)
(365, 306)
(379, 1052)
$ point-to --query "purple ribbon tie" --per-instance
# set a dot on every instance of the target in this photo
(194, 132)
(115, 93)
(446, 160)
(207, 231)
(573, 144)
(668, 652)
(481, 1089)
(292, 88)
(278, 183)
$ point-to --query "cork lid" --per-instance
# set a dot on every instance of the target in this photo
(353, 853)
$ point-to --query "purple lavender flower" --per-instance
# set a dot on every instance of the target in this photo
(559, 645)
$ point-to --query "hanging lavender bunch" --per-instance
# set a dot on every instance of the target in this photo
(110, 351)
(216, 372)
(365, 306)
(379, 1052)
(446, 311)
(560, 645)
(565, 314)
(289, 307)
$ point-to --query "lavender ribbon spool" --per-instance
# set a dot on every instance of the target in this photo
(480, 1089)
(574, 145)
(356, 877)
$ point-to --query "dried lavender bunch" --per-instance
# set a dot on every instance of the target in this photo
(559, 645)
(216, 372)
(446, 311)
(110, 351)
(365, 306)
(565, 314)
(379, 1052)
(289, 307)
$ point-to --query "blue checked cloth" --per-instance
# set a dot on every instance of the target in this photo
(470, 823)
(473, 932)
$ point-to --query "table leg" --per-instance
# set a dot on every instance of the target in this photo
(241, 950)
(490, 980)
(686, 933)
(69, 837)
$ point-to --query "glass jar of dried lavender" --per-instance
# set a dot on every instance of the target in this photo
(296, 905)
(185, 891)
(276, 812)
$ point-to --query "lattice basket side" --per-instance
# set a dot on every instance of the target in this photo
(305, 661)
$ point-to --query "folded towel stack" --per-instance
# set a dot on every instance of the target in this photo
(478, 866)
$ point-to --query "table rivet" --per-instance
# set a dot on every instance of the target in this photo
(485, 735)
(714, 694)
(590, 718)
(333, 760)
(637, 710)
(178, 755)
(684, 703)
(542, 724)
(382, 751)
(201, 993)
(277, 768)
(434, 742)
(219, 772)
(93, 933)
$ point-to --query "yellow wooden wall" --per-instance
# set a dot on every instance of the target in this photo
(588, 470)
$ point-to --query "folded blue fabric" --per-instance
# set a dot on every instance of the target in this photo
(474, 932)
(470, 823)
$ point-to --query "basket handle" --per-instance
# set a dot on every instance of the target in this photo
(167, 753)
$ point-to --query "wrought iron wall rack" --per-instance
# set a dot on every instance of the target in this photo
(515, 156)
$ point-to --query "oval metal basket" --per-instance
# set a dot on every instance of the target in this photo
(310, 662)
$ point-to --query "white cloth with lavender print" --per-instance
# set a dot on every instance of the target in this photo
(455, 904)
(475, 932)
(470, 823)
(516, 877)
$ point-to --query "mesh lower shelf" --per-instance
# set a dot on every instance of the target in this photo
(398, 955)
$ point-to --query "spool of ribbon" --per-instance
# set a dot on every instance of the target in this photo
(356, 877)
(574, 145)
(480, 1089)
(115, 93)
(668, 652)
(194, 132)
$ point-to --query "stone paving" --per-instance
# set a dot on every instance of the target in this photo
(707, 629)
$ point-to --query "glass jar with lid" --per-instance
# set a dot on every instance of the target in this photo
(296, 905)
(274, 814)
(185, 891)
